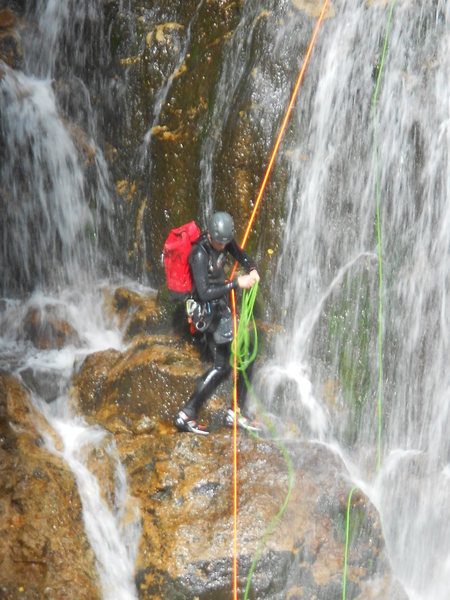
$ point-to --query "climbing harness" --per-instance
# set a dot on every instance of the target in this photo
(380, 291)
(233, 296)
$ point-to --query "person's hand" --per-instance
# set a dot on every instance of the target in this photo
(246, 282)
(254, 273)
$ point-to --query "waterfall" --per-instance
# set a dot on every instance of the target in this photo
(57, 222)
(115, 544)
(55, 181)
(328, 270)
(43, 234)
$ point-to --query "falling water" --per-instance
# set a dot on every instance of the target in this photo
(58, 206)
(331, 227)
(111, 520)
(46, 208)
(114, 542)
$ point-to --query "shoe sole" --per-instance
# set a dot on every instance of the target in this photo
(185, 428)
(230, 423)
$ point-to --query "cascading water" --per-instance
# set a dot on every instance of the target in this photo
(57, 210)
(51, 235)
(330, 277)
(47, 215)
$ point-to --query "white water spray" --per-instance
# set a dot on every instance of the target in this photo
(112, 533)
(111, 517)
(54, 212)
(331, 217)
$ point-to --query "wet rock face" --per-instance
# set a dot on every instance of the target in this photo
(184, 487)
(44, 552)
(149, 382)
(46, 329)
(10, 47)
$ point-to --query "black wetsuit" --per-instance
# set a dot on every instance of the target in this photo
(210, 285)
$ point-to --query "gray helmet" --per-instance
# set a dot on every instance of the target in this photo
(221, 227)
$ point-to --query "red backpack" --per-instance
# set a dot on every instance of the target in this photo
(175, 256)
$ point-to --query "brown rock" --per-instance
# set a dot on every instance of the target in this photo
(185, 490)
(10, 46)
(184, 486)
(44, 552)
(138, 314)
(7, 18)
(139, 389)
(46, 329)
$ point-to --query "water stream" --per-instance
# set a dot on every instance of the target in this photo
(330, 226)
(58, 209)
(112, 521)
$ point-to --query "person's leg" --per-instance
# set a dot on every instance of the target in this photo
(209, 381)
(242, 389)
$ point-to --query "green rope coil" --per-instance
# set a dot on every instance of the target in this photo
(246, 343)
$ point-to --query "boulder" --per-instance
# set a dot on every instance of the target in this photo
(10, 46)
(140, 388)
(47, 329)
(184, 486)
(44, 552)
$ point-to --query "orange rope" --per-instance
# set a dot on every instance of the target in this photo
(283, 127)
(244, 242)
(235, 470)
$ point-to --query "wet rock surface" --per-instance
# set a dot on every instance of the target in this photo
(184, 486)
(44, 552)
(10, 45)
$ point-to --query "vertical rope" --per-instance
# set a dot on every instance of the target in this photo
(283, 127)
(235, 466)
(380, 257)
(380, 291)
(244, 241)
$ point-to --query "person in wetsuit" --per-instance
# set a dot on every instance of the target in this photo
(211, 292)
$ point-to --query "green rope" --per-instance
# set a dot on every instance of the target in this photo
(380, 258)
(246, 349)
(380, 290)
(347, 531)
(291, 477)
